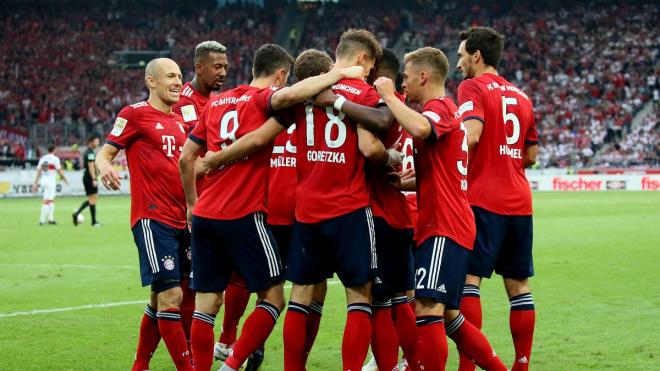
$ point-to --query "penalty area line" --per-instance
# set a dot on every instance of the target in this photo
(96, 306)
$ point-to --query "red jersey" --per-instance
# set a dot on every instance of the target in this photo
(237, 189)
(386, 201)
(331, 180)
(408, 162)
(496, 174)
(282, 179)
(153, 141)
(441, 168)
(190, 105)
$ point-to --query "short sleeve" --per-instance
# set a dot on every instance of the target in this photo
(532, 136)
(470, 101)
(41, 163)
(125, 129)
(262, 99)
(198, 133)
(436, 113)
(58, 164)
(91, 156)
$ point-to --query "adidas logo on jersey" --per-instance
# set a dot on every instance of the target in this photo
(442, 289)
(159, 126)
(522, 360)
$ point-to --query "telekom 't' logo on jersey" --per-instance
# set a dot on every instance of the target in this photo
(169, 145)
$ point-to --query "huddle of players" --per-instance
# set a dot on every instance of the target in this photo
(331, 202)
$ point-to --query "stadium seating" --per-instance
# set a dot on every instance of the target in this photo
(589, 67)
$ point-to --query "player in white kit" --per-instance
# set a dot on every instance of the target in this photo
(47, 168)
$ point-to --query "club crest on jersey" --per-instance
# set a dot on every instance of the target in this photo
(118, 128)
(159, 126)
(168, 262)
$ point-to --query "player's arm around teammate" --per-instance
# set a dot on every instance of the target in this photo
(283, 98)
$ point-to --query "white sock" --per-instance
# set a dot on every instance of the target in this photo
(44, 212)
(51, 211)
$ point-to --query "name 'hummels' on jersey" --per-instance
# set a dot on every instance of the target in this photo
(496, 174)
(331, 180)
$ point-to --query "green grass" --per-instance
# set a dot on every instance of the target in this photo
(595, 289)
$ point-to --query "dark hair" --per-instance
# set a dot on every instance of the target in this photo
(92, 137)
(486, 40)
(269, 58)
(311, 62)
(51, 148)
(203, 49)
(357, 40)
(388, 61)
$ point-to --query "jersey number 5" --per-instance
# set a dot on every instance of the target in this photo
(510, 116)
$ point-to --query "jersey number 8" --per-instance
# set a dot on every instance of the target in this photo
(333, 120)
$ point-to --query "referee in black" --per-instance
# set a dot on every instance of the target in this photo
(89, 180)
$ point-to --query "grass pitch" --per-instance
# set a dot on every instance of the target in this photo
(71, 298)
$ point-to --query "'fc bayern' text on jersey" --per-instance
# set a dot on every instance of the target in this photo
(331, 180)
(239, 188)
(441, 169)
(153, 141)
(496, 174)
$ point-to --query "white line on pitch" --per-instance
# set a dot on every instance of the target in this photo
(94, 306)
(74, 266)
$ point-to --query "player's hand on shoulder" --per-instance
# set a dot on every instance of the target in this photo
(325, 98)
(110, 178)
(355, 72)
(384, 86)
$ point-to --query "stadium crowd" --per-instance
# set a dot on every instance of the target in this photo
(590, 67)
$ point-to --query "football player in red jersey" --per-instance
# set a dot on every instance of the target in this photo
(152, 136)
(503, 142)
(309, 63)
(228, 226)
(210, 71)
(446, 229)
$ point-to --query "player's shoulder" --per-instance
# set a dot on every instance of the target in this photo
(439, 107)
(473, 84)
(134, 109)
(187, 91)
(351, 86)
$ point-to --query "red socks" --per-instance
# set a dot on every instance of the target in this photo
(236, 300)
(473, 344)
(471, 309)
(404, 322)
(169, 326)
(521, 323)
(187, 308)
(357, 335)
(432, 343)
(295, 337)
(384, 342)
(256, 329)
(312, 328)
(148, 340)
(201, 337)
